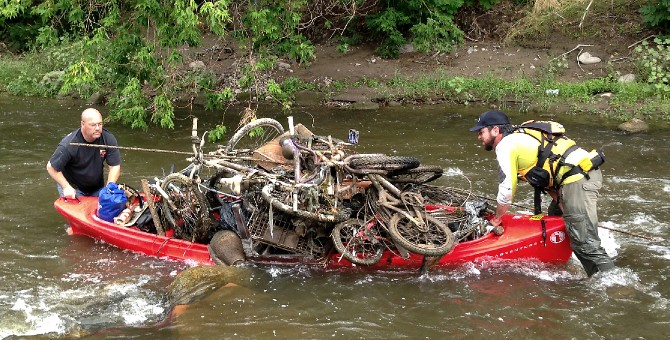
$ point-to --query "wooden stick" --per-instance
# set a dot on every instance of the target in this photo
(152, 207)
(639, 41)
(584, 16)
(576, 47)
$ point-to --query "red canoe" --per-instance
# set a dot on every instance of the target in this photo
(524, 238)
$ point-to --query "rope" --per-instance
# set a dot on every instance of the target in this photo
(131, 148)
(649, 238)
(241, 158)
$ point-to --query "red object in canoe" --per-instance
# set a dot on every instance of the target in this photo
(523, 239)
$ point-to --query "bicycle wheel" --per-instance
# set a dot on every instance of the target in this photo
(254, 135)
(437, 240)
(382, 162)
(190, 216)
(357, 242)
(419, 175)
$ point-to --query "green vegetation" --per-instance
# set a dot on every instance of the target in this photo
(657, 14)
(602, 20)
(133, 51)
(654, 63)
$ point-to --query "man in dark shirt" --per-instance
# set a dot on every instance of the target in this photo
(78, 170)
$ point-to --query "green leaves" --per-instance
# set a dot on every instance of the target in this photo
(129, 106)
(217, 133)
(217, 15)
(136, 49)
(656, 14)
(82, 77)
(163, 112)
(10, 9)
(428, 24)
(654, 63)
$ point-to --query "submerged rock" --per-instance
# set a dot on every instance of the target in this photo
(196, 283)
(95, 99)
(364, 106)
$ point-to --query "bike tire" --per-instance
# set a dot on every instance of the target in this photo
(437, 241)
(191, 220)
(382, 162)
(419, 175)
(362, 249)
(242, 141)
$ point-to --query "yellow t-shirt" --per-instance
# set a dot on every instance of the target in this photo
(518, 151)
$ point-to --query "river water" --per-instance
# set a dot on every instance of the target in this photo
(56, 285)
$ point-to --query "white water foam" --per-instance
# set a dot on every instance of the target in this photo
(607, 239)
(453, 172)
(663, 251)
(53, 310)
(642, 221)
(37, 319)
(637, 199)
(527, 267)
(135, 310)
(617, 179)
(616, 277)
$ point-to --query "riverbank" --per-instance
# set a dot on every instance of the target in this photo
(510, 59)
(539, 78)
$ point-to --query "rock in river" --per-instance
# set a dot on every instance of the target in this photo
(634, 125)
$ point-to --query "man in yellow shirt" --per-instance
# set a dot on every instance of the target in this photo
(575, 198)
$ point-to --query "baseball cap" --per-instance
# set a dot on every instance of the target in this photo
(490, 118)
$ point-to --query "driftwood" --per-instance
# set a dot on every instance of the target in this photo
(639, 41)
(576, 47)
(584, 16)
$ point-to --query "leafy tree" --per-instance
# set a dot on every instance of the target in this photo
(657, 14)
(133, 49)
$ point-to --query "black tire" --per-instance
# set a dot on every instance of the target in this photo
(266, 128)
(358, 245)
(381, 162)
(419, 175)
(436, 241)
(191, 220)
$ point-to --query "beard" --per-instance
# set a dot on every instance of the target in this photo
(488, 145)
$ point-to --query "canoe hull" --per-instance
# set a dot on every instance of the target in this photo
(523, 239)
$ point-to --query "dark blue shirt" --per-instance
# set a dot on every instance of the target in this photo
(83, 166)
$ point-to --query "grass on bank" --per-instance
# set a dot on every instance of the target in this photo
(577, 18)
(627, 100)
(29, 75)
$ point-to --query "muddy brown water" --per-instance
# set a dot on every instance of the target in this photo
(58, 285)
